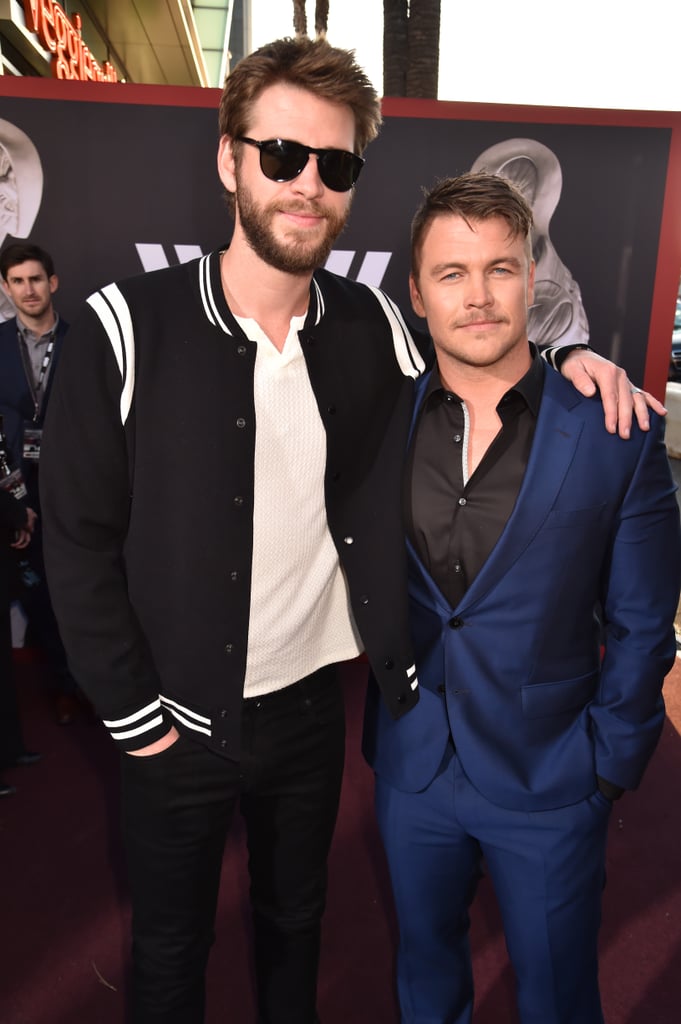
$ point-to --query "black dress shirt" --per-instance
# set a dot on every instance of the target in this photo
(454, 521)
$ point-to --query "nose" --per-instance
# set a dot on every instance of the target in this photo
(308, 182)
(478, 294)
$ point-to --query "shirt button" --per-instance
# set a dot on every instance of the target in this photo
(223, 712)
(458, 568)
(241, 423)
(241, 350)
(455, 623)
(364, 599)
(234, 576)
(229, 648)
(457, 439)
(348, 540)
(462, 501)
(238, 501)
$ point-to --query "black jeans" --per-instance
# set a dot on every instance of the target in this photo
(177, 809)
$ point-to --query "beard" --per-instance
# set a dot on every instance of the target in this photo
(296, 254)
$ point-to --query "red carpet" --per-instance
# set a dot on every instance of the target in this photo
(64, 912)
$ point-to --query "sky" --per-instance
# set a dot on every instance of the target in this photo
(612, 53)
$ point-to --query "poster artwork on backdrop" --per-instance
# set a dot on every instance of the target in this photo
(125, 182)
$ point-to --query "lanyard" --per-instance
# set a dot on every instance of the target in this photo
(36, 392)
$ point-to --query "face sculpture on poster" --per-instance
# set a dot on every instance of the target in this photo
(557, 314)
(21, 190)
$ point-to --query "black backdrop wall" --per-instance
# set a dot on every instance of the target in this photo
(117, 179)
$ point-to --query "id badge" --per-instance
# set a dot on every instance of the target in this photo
(32, 438)
(14, 483)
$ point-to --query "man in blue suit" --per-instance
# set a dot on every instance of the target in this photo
(544, 577)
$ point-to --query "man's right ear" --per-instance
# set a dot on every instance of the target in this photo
(227, 163)
(415, 297)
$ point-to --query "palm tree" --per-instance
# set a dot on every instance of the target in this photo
(411, 43)
(321, 18)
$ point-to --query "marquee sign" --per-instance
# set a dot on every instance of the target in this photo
(71, 58)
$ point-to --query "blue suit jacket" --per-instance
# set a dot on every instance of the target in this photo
(515, 670)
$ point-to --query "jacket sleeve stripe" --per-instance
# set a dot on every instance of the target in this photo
(148, 709)
(114, 314)
(408, 356)
(130, 733)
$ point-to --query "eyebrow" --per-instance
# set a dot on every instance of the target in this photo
(440, 268)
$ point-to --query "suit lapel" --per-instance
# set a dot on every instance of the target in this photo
(556, 436)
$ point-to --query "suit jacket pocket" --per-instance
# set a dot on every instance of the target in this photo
(541, 699)
(578, 518)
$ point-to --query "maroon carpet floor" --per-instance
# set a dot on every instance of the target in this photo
(64, 914)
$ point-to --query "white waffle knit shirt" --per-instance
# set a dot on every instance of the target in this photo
(300, 617)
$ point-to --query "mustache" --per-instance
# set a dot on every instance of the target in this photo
(480, 320)
(300, 206)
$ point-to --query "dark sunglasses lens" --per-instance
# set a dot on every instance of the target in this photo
(281, 160)
(339, 170)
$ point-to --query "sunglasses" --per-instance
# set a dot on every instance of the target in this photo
(282, 160)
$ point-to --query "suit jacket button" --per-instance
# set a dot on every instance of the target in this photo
(455, 623)
(388, 663)
(401, 699)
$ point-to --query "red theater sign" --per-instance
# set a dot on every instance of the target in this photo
(71, 58)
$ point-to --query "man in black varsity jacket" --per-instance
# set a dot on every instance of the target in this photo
(221, 480)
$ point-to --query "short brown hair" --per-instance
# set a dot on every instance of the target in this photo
(311, 64)
(21, 252)
(472, 196)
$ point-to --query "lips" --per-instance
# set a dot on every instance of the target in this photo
(480, 323)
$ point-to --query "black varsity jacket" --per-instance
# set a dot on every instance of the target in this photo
(147, 493)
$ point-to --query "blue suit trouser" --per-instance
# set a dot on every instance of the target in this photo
(548, 872)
